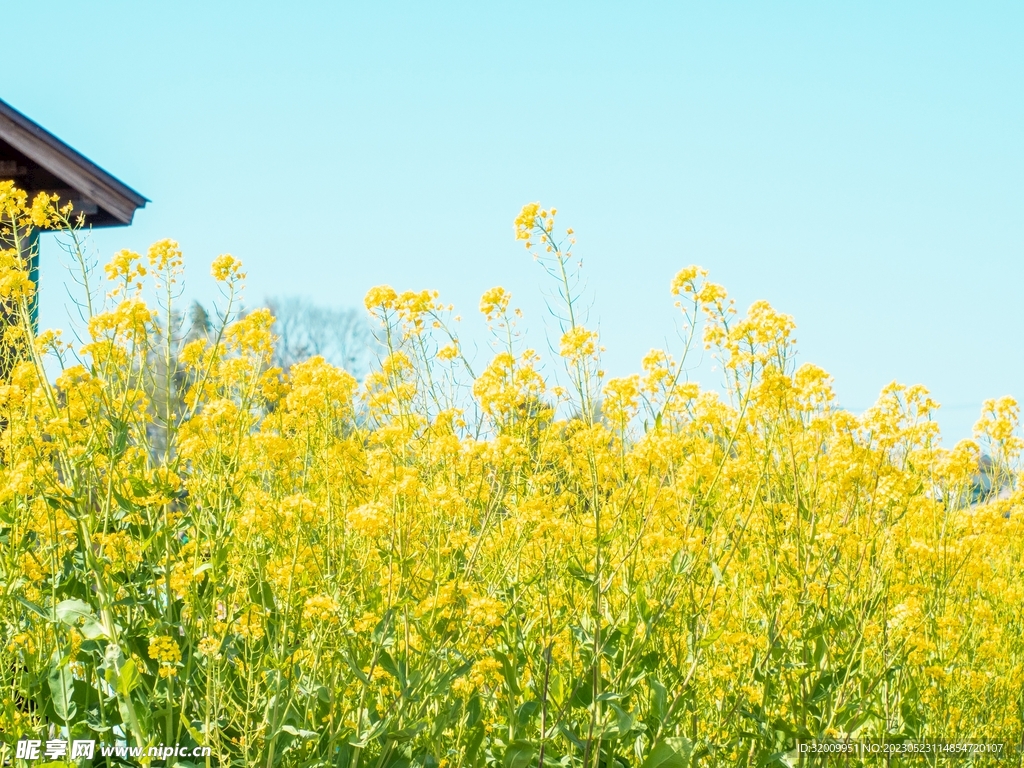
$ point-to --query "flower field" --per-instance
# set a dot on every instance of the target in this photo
(524, 563)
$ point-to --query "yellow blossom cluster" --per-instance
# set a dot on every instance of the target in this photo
(166, 653)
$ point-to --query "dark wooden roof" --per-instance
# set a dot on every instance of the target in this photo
(37, 161)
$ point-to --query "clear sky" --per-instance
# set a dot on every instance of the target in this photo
(859, 165)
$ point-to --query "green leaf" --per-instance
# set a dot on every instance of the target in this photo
(659, 700)
(127, 678)
(577, 572)
(555, 687)
(474, 711)
(681, 563)
(406, 735)
(520, 754)
(717, 573)
(262, 593)
(673, 752)
(623, 721)
(39, 610)
(92, 630)
(511, 672)
(123, 502)
(62, 688)
(72, 612)
(302, 734)
(383, 633)
(140, 487)
(583, 693)
(527, 712)
(101, 723)
(77, 612)
(820, 650)
(473, 746)
(119, 438)
(642, 605)
(393, 668)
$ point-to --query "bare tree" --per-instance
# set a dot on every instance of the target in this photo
(304, 330)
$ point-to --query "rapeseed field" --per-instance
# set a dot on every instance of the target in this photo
(448, 564)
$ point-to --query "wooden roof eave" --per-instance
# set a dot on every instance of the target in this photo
(80, 173)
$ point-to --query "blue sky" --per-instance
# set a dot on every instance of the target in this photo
(859, 165)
